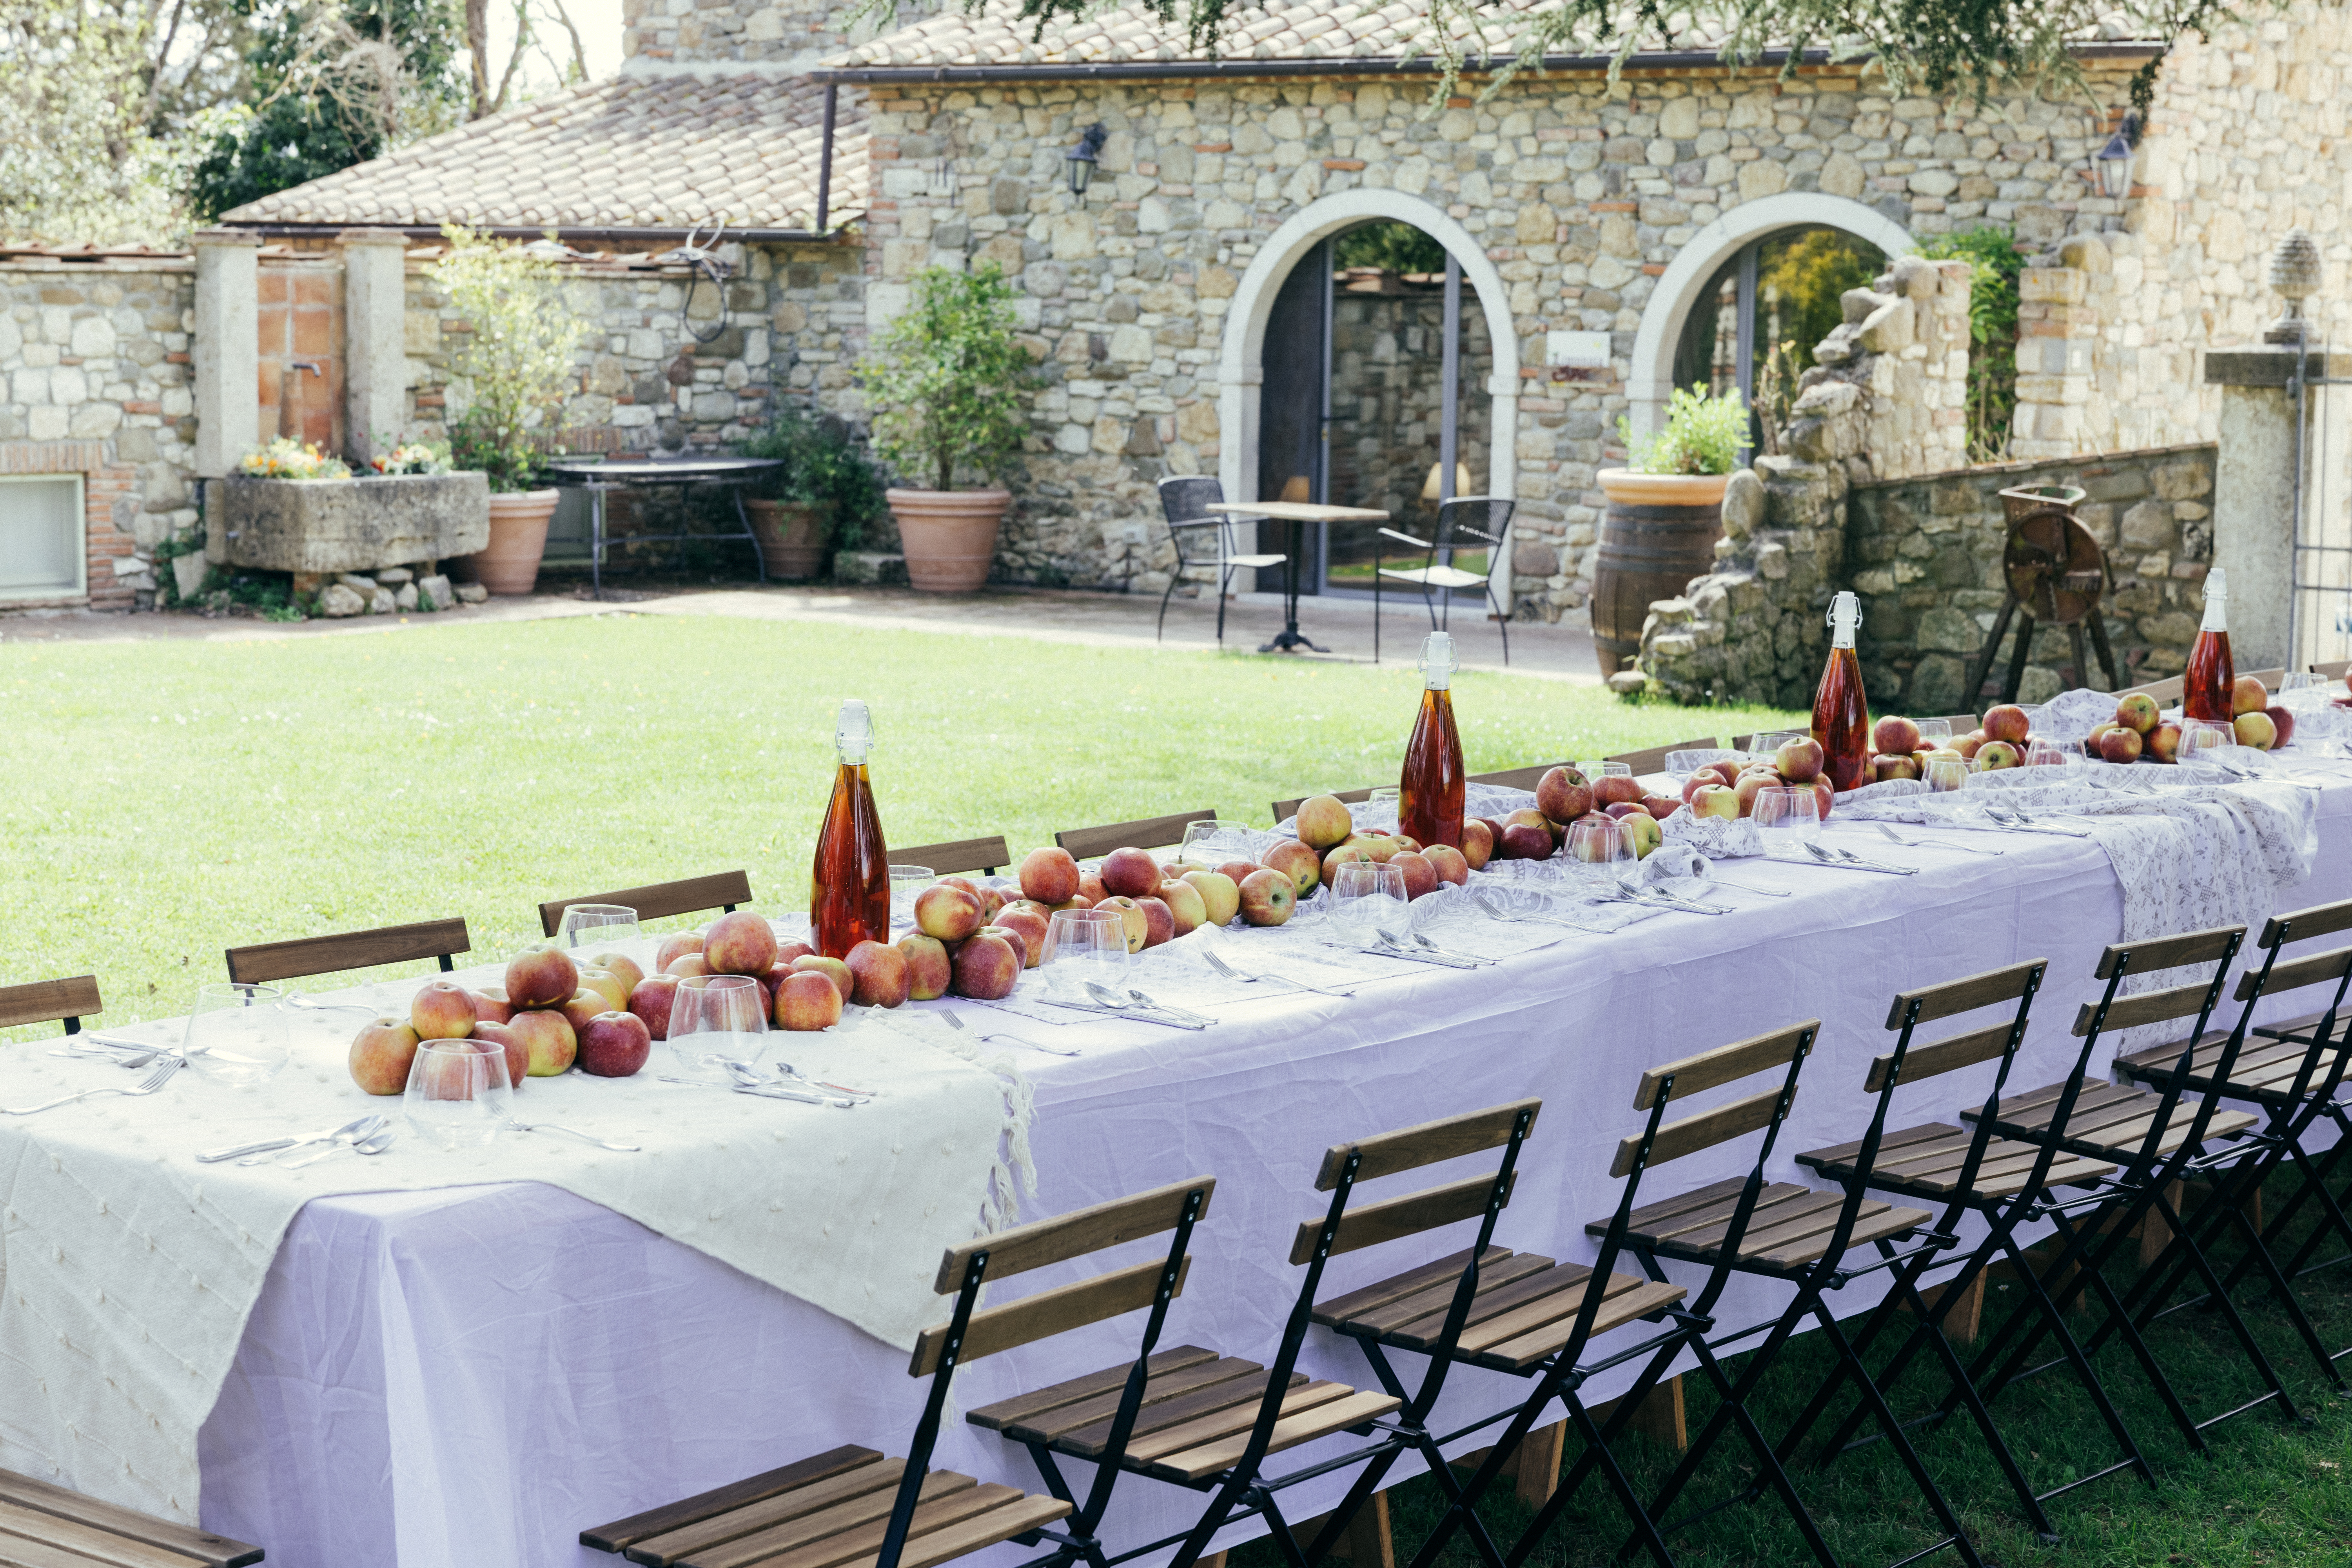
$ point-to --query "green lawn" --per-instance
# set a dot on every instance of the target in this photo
(170, 799)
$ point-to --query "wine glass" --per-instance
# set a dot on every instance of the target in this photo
(458, 1095)
(236, 1035)
(2302, 680)
(593, 925)
(1368, 898)
(1945, 775)
(718, 1018)
(1600, 847)
(1082, 946)
(906, 884)
(1789, 815)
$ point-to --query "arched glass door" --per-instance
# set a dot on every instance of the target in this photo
(1754, 327)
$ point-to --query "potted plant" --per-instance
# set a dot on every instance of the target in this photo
(518, 362)
(1666, 512)
(819, 500)
(946, 386)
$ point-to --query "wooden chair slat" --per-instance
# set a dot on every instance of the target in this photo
(2295, 973)
(1945, 1056)
(28, 1536)
(1101, 1408)
(623, 1533)
(1539, 1280)
(1073, 1235)
(988, 855)
(1556, 1305)
(1003, 1522)
(1144, 833)
(2323, 921)
(2335, 670)
(264, 961)
(1336, 1416)
(1620, 1308)
(1304, 1395)
(1653, 759)
(1890, 1146)
(1400, 1317)
(1966, 995)
(659, 900)
(2147, 1007)
(46, 1001)
(15, 1552)
(1415, 1212)
(1191, 1411)
(2164, 692)
(44, 1497)
(2164, 953)
(1046, 1312)
(1448, 1138)
(850, 1497)
(1524, 778)
(946, 1498)
(1371, 1297)
(1692, 1133)
(1962, 724)
(1038, 1401)
(1725, 1063)
(1871, 1227)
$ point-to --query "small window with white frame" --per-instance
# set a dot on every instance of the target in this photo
(41, 554)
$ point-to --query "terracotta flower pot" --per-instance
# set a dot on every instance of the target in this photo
(518, 539)
(949, 536)
(790, 535)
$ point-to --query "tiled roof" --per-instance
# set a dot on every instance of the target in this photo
(1298, 31)
(657, 150)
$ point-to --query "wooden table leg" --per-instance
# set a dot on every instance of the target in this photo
(1365, 1541)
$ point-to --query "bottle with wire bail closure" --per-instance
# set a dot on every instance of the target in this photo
(849, 888)
(2205, 684)
(1841, 712)
(1430, 788)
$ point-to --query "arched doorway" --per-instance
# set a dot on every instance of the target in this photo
(1281, 328)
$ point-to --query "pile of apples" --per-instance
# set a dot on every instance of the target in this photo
(802, 989)
(1728, 790)
(1327, 840)
(549, 1015)
(2138, 732)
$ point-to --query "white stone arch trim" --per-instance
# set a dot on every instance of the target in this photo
(1242, 362)
(1650, 377)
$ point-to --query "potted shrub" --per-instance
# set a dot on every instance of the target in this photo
(518, 361)
(946, 387)
(819, 501)
(1666, 512)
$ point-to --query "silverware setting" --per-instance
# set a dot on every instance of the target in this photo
(156, 1079)
(1109, 1004)
(511, 1125)
(1650, 895)
(260, 1153)
(2015, 819)
(1230, 973)
(121, 1053)
(956, 1023)
(766, 1091)
(1846, 859)
(749, 1076)
(1531, 917)
(1428, 946)
(1750, 888)
(310, 1005)
(1413, 955)
(1934, 843)
(376, 1142)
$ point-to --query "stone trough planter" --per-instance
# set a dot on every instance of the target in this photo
(321, 527)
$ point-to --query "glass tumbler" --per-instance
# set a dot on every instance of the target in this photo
(1368, 901)
(718, 1018)
(907, 885)
(1944, 775)
(236, 1035)
(458, 1096)
(1082, 946)
(593, 925)
(1788, 816)
(1599, 847)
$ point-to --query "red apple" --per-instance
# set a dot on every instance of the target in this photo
(584, 1005)
(2282, 722)
(542, 975)
(1406, 843)
(1798, 760)
(2006, 723)
(1342, 856)
(833, 969)
(1622, 809)
(1702, 778)
(966, 883)
(1267, 898)
(615, 1044)
(986, 966)
(739, 944)
(807, 1000)
(2121, 745)
(1995, 755)
(947, 911)
(1756, 782)
(1900, 765)
(1380, 847)
(652, 999)
(1478, 842)
(1185, 907)
(2137, 712)
(1564, 795)
(687, 964)
(547, 1039)
(1030, 924)
(1221, 896)
(2248, 694)
(674, 943)
(490, 1004)
(1323, 820)
(381, 1055)
(518, 1053)
(620, 965)
(1159, 920)
(2162, 743)
(879, 974)
(1304, 865)
(1129, 874)
(1660, 806)
(613, 988)
(928, 967)
(1613, 789)
(443, 1010)
(1894, 735)
(1420, 877)
(1136, 925)
(1049, 876)
(1967, 745)
(1091, 889)
(1825, 795)
(1522, 842)
(1715, 800)
(788, 951)
(1235, 869)
(1448, 863)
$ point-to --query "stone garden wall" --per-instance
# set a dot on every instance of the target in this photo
(1924, 555)
(94, 357)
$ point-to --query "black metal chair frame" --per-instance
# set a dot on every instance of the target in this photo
(1450, 528)
(1227, 561)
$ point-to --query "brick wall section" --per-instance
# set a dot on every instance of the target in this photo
(95, 361)
(1925, 553)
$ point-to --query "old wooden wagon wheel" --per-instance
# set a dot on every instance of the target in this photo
(2056, 573)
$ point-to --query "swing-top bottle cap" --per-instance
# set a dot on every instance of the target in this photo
(1437, 659)
(852, 730)
(1845, 617)
(2217, 584)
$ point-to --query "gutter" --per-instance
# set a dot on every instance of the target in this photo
(1423, 65)
(541, 231)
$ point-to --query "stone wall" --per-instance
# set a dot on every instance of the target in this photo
(779, 30)
(95, 357)
(1926, 556)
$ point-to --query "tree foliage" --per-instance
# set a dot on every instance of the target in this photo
(517, 358)
(1994, 262)
(947, 379)
(1399, 247)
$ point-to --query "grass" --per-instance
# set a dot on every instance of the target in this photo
(170, 799)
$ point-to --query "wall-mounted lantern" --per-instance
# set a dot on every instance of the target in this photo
(2114, 162)
(1081, 159)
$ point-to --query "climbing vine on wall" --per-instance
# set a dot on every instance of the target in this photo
(1994, 261)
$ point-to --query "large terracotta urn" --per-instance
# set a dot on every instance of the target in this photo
(1658, 534)
(949, 536)
(790, 535)
(518, 539)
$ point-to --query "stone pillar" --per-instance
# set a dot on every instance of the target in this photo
(2253, 489)
(226, 357)
(2054, 330)
(376, 370)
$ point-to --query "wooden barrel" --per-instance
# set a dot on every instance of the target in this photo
(1648, 551)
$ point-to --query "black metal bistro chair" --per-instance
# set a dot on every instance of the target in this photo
(1212, 540)
(1482, 521)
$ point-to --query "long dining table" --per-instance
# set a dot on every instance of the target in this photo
(471, 1375)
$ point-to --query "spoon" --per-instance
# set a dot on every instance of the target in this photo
(259, 1153)
(1163, 1007)
(956, 1023)
(786, 1070)
(376, 1142)
(511, 1125)
(1936, 843)
(746, 1076)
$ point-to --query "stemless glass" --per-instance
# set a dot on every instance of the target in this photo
(2199, 736)
(1935, 729)
(1368, 898)
(2049, 753)
(1599, 847)
(592, 925)
(1082, 946)
(1944, 775)
(1211, 843)
(1789, 815)
(906, 884)
(718, 1018)
(1600, 769)
(236, 1035)
(458, 1096)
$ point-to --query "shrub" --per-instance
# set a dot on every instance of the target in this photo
(1703, 436)
(947, 381)
(519, 357)
(822, 464)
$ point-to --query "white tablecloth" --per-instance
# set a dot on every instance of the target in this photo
(468, 1377)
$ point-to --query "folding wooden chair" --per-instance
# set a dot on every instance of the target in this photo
(265, 961)
(984, 855)
(2164, 692)
(46, 1526)
(2006, 1183)
(1524, 778)
(722, 890)
(1144, 833)
(50, 1002)
(1710, 1226)
(1184, 501)
(2335, 670)
(1651, 759)
(851, 1507)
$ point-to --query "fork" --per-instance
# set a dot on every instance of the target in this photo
(2018, 822)
(956, 1023)
(511, 1125)
(1230, 973)
(1530, 917)
(154, 1080)
(1934, 843)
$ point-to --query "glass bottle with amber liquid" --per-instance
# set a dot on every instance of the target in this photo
(1430, 788)
(2205, 685)
(1841, 712)
(849, 890)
